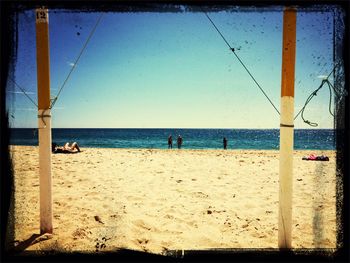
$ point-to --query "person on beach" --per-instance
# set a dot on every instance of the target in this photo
(179, 142)
(225, 143)
(170, 142)
(73, 148)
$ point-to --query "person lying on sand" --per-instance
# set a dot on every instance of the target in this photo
(73, 148)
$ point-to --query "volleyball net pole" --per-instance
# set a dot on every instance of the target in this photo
(44, 119)
(287, 129)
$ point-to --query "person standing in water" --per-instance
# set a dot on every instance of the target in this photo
(225, 143)
(179, 142)
(170, 142)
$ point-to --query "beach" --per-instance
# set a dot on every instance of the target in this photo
(156, 200)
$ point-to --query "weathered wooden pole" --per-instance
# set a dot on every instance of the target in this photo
(287, 130)
(44, 119)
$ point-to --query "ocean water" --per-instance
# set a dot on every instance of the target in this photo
(260, 139)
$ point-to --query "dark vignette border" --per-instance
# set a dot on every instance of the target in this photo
(9, 20)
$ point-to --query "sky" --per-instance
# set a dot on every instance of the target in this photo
(172, 70)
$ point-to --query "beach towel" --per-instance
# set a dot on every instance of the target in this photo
(65, 151)
(313, 157)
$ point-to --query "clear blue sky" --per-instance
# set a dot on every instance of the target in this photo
(172, 69)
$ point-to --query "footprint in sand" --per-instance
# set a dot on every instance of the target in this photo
(227, 222)
(142, 224)
(167, 216)
(200, 195)
(79, 233)
(101, 243)
(142, 242)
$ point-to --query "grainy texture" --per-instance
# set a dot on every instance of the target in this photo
(156, 200)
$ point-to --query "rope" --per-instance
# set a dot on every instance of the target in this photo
(76, 61)
(330, 99)
(218, 30)
(313, 124)
(233, 51)
(42, 115)
(53, 101)
(256, 82)
(24, 92)
(314, 93)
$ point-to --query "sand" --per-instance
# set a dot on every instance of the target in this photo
(158, 200)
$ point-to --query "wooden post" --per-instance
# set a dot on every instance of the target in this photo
(44, 119)
(287, 130)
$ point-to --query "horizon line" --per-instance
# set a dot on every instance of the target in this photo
(313, 128)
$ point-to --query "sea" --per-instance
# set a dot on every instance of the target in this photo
(257, 139)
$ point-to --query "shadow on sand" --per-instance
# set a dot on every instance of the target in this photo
(20, 246)
(318, 218)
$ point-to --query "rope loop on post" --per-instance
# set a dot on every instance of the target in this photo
(42, 115)
(286, 125)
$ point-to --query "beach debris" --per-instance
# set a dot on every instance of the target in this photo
(16, 243)
(209, 212)
(234, 196)
(268, 212)
(98, 219)
(299, 179)
(178, 181)
(113, 216)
